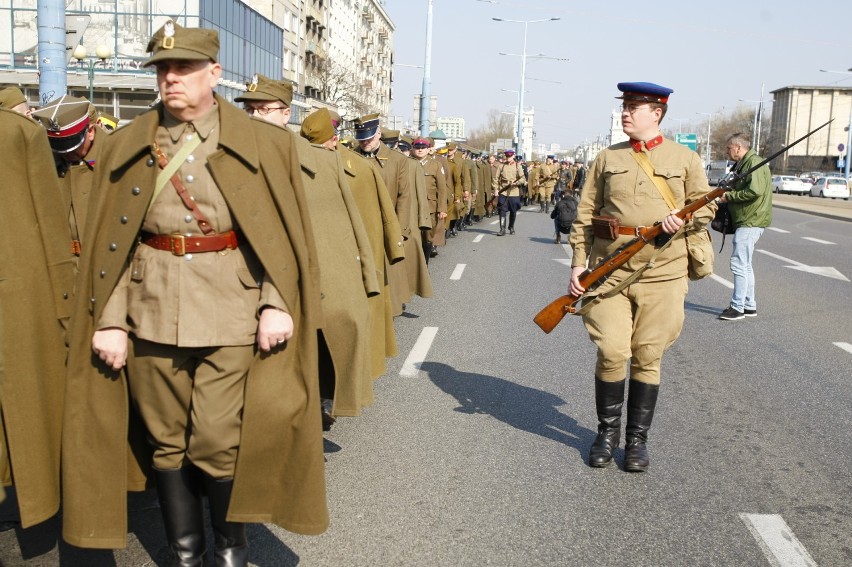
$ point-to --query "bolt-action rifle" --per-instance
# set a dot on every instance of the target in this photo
(593, 277)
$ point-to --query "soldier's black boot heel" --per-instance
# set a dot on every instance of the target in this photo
(502, 226)
(230, 537)
(641, 401)
(179, 493)
(609, 399)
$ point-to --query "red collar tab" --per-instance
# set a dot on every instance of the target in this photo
(649, 145)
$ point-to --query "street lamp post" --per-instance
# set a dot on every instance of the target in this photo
(848, 130)
(709, 116)
(427, 76)
(519, 135)
(103, 53)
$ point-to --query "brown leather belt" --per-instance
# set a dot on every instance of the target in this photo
(75, 247)
(180, 245)
(631, 230)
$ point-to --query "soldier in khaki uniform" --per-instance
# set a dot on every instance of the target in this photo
(462, 186)
(436, 192)
(507, 185)
(638, 322)
(393, 168)
(77, 144)
(201, 276)
(549, 173)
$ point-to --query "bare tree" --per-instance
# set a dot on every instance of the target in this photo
(338, 86)
(497, 125)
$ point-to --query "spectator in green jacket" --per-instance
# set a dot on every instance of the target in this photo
(750, 205)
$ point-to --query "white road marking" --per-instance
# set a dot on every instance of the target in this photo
(568, 250)
(817, 240)
(777, 541)
(457, 273)
(411, 366)
(781, 230)
(826, 271)
(845, 346)
(722, 281)
(495, 222)
(479, 238)
(563, 261)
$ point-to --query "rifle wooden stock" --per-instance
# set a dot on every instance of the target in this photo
(591, 278)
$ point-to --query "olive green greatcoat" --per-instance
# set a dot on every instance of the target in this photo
(76, 184)
(279, 474)
(385, 236)
(455, 190)
(483, 191)
(418, 271)
(347, 276)
(36, 283)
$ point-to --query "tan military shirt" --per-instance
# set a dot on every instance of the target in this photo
(617, 186)
(509, 174)
(196, 300)
(548, 175)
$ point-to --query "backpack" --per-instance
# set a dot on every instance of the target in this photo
(567, 212)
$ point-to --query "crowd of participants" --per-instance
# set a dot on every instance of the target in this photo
(235, 281)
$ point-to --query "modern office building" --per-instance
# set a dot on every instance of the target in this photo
(283, 39)
(453, 127)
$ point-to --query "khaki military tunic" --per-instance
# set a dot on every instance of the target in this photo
(436, 193)
(509, 179)
(646, 317)
(548, 177)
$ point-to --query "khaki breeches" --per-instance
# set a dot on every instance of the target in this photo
(638, 324)
(191, 401)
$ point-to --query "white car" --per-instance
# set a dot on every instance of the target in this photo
(834, 187)
(790, 184)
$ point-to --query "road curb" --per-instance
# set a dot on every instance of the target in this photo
(810, 212)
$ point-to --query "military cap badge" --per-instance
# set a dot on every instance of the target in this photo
(169, 35)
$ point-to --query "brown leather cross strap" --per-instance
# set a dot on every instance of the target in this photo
(203, 223)
(180, 245)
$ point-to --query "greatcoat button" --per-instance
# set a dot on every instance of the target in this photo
(150, 162)
(113, 247)
(123, 220)
(103, 273)
(136, 190)
(93, 299)
(65, 295)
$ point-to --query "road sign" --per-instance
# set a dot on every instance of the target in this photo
(840, 147)
(688, 140)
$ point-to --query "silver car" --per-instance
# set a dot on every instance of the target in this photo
(834, 187)
(790, 184)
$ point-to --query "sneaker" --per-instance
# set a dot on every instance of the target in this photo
(731, 314)
(750, 312)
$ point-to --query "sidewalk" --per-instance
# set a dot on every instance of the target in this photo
(836, 209)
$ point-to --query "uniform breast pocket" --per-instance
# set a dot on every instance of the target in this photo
(674, 178)
(619, 180)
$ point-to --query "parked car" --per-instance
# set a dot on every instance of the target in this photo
(834, 187)
(716, 170)
(790, 184)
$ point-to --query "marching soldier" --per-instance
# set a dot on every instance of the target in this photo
(393, 168)
(462, 186)
(549, 173)
(634, 320)
(77, 144)
(197, 205)
(436, 190)
(506, 186)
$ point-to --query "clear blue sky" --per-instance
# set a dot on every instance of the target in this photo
(710, 53)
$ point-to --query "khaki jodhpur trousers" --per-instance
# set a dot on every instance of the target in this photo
(637, 324)
(191, 401)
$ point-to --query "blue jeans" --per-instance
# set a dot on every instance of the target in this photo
(745, 238)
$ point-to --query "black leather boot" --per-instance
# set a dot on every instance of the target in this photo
(230, 537)
(641, 401)
(502, 226)
(609, 399)
(179, 492)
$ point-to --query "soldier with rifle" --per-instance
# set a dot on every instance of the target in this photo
(637, 323)
(506, 185)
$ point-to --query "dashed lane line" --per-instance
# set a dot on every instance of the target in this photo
(845, 346)
(781, 230)
(411, 366)
(817, 240)
(777, 541)
(722, 281)
(478, 238)
(457, 273)
(495, 222)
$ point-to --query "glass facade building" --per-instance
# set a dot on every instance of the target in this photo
(249, 43)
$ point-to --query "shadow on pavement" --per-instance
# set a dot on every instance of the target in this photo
(522, 407)
(541, 240)
(703, 308)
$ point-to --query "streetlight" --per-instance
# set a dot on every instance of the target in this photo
(103, 53)
(520, 132)
(849, 128)
(709, 116)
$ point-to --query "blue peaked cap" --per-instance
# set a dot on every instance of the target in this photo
(644, 92)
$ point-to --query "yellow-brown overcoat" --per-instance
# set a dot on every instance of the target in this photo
(385, 235)
(279, 474)
(36, 283)
(418, 272)
(347, 276)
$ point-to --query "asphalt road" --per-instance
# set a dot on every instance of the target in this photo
(478, 455)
